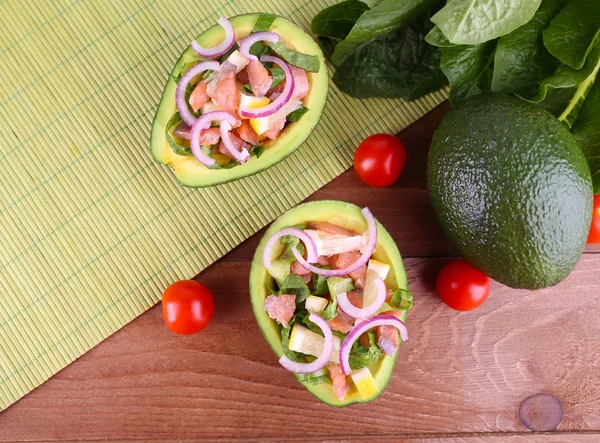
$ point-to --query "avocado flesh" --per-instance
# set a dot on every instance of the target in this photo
(189, 171)
(511, 190)
(347, 216)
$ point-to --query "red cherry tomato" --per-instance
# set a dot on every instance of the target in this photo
(379, 160)
(594, 236)
(461, 286)
(188, 307)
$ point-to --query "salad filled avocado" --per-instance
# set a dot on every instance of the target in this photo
(329, 293)
(243, 96)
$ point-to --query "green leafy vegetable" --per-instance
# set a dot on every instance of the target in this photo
(401, 299)
(315, 378)
(225, 56)
(574, 32)
(307, 62)
(361, 356)
(177, 148)
(330, 311)
(398, 64)
(278, 76)
(294, 116)
(263, 22)
(257, 150)
(469, 69)
(247, 89)
(337, 20)
(472, 22)
(522, 61)
(587, 131)
(563, 93)
(437, 38)
(285, 342)
(337, 285)
(294, 284)
(385, 17)
(319, 283)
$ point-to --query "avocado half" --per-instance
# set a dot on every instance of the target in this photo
(347, 216)
(189, 171)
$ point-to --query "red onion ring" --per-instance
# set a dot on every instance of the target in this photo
(368, 311)
(204, 122)
(240, 157)
(285, 96)
(307, 368)
(309, 243)
(222, 48)
(184, 112)
(366, 254)
(247, 43)
(360, 329)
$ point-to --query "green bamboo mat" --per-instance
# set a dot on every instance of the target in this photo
(91, 230)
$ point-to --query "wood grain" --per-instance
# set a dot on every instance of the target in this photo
(460, 377)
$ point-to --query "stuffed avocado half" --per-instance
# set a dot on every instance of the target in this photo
(286, 296)
(257, 85)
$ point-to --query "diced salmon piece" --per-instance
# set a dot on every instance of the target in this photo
(342, 322)
(210, 136)
(227, 95)
(356, 298)
(247, 134)
(243, 77)
(340, 382)
(237, 142)
(387, 336)
(183, 130)
(323, 260)
(364, 340)
(199, 96)
(346, 259)
(298, 269)
(332, 260)
(273, 93)
(331, 229)
(300, 82)
(260, 80)
(307, 278)
(281, 308)
(275, 130)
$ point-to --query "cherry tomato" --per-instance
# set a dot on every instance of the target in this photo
(461, 286)
(188, 307)
(379, 160)
(594, 236)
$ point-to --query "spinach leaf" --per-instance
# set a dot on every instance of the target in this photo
(177, 148)
(294, 116)
(401, 299)
(294, 284)
(384, 18)
(316, 378)
(319, 283)
(263, 22)
(564, 92)
(398, 64)
(225, 56)
(330, 311)
(257, 150)
(247, 89)
(574, 32)
(469, 69)
(472, 22)
(522, 61)
(277, 75)
(587, 131)
(437, 38)
(337, 20)
(361, 356)
(285, 342)
(307, 62)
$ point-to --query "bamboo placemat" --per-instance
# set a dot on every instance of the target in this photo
(91, 230)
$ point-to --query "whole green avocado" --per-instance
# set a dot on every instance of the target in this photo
(511, 189)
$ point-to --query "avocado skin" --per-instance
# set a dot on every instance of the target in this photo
(511, 190)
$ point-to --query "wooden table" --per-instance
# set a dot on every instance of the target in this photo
(461, 377)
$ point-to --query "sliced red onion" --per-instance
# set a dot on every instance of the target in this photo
(368, 311)
(221, 49)
(276, 104)
(182, 107)
(204, 122)
(247, 43)
(361, 328)
(239, 156)
(307, 368)
(366, 254)
(311, 248)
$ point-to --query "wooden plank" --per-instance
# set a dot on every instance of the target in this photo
(459, 372)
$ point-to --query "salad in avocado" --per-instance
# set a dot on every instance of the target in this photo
(236, 94)
(337, 312)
